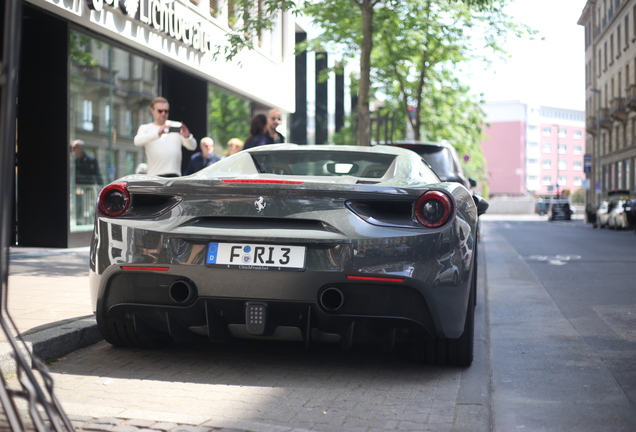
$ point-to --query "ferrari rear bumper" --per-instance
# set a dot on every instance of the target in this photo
(222, 319)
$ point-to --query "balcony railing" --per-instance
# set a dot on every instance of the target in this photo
(630, 100)
(618, 111)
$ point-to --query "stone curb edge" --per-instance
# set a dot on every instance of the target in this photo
(52, 343)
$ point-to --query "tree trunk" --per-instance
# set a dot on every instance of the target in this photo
(364, 117)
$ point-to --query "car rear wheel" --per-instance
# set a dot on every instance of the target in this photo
(450, 352)
(130, 332)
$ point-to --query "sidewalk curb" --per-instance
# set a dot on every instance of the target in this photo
(53, 342)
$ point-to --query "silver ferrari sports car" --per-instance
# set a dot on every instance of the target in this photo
(291, 242)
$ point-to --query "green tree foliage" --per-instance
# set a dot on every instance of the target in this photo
(229, 117)
(421, 48)
(578, 197)
(417, 52)
(403, 43)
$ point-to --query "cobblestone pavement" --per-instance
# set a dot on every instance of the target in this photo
(255, 386)
(112, 424)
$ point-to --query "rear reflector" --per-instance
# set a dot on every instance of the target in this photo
(140, 268)
(259, 181)
(377, 279)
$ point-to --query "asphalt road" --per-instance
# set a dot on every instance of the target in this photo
(562, 300)
(555, 351)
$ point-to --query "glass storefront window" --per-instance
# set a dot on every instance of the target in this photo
(110, 92)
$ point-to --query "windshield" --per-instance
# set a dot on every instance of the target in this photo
(323, 163)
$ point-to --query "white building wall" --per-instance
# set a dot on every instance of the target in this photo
(504, 111)
(265, 74)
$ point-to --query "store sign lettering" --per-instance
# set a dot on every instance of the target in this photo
(163, 17)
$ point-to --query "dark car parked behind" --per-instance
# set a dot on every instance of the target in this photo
(442, 157)
(560, 209)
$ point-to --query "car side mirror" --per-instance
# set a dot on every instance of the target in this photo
(481, 203)
(472, 181)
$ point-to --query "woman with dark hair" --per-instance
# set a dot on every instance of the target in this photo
(258, 132)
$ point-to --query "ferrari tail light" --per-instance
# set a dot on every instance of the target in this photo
(433, 209)
(114, 200)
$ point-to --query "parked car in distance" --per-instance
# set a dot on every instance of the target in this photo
(273, 243)
(605, 209)
(541, 207)
(617, 218)
(560, 210)
(602, 215)
(442, 157)
(630, 211)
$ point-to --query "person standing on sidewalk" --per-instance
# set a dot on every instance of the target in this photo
(273, 121)
(258, 132)
(234, 145)
(204, 158)
(86, 166)
(162, 140)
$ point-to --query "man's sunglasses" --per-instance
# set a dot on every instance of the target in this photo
(163, 111)
(276, 118)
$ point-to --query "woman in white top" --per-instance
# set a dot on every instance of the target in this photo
(163, 139)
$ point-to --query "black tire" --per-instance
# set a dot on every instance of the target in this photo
(130, 333)
(449, 352)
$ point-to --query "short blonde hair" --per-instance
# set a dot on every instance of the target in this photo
(158, 99)
(236, 142)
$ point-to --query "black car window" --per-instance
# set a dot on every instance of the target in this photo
(439, 158)
(323, 163)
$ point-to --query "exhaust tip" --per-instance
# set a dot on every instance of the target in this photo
(182, 291)
(332, 299)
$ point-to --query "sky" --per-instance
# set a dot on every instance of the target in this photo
(549, 72)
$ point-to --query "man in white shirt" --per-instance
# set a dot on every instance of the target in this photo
(163, 139)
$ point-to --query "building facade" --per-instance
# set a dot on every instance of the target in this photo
(533, 150)
(610, 86)
(89, 69)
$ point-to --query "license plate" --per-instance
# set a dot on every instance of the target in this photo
(256, 256)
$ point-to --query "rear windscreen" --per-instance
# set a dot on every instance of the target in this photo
(323, 163)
